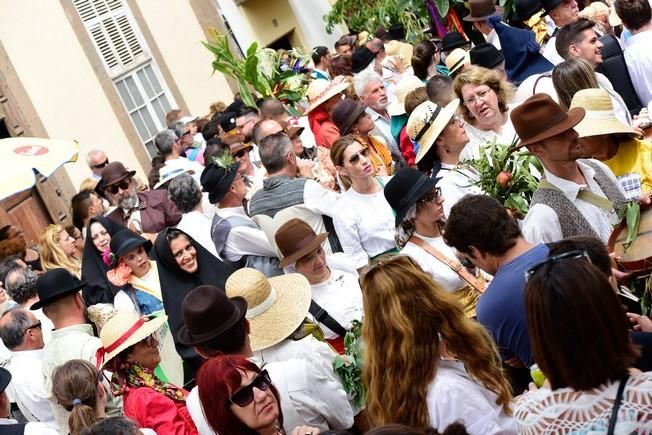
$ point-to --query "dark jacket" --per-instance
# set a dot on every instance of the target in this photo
(156, 212)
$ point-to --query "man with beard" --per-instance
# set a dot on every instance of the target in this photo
(576, 196)
(146, 213)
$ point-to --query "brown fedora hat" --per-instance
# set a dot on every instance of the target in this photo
(539, 118)
(115, 172)
(480, 10)
(296, 239)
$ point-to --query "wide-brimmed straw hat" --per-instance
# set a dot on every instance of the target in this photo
(539, 118)
(405, 188)
(169, 172)
(296, 239)
(456, 59)
(426, 123)
(276, 306)
(480, 10)
(123, 330)
(404, 87)
(600, 117)
(320, 91)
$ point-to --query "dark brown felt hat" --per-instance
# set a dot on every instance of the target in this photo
(296, 239)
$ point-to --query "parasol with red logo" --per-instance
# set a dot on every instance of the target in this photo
(22, 157)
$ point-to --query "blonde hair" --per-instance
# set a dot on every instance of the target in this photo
(88, 184)
(337, 156)
(476, 76)
(52, 255)
(571, 76)
(414, 98)
(406, 313)
(75, 385)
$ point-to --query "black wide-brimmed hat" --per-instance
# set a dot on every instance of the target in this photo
(453, 40)
(549, 5)
(216, 179)
(208, 313)
(54, 285)
(486, 55)
(361, 58)
(125, 240)
(405, 188)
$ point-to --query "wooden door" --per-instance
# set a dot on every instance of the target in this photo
(27, 211)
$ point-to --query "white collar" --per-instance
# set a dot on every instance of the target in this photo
(375, 115)
(570, 188)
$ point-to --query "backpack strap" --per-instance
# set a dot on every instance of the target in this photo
(322, 316)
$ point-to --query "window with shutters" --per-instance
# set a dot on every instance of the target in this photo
(123, 51)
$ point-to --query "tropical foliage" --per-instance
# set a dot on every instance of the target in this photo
(349, 366)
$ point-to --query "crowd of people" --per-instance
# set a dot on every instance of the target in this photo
(216, 293)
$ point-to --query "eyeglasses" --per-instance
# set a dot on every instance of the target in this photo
(355, 158)
(245, 395)
(432, 196)
(35, 325)
(101, 165)
(241, 126)
(115, 188)
(570, 255)
(480, 95)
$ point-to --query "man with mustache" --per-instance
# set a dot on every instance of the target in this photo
(576, 196)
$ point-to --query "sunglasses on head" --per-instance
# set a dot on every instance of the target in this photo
(101, 165)
(355, 158)
(245, 395)
(115, 188)
(570, 255)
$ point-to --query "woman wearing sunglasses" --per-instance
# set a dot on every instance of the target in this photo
(580, 340)
(365, 224)
(419, 208)
(130, 350)
(239, 398)
(442, 367)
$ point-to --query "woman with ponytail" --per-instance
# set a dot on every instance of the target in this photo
(77, 387)
(426, 60)
(426, 363)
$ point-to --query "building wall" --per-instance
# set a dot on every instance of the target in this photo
(178, 35)
(61, 84)
(270, 20)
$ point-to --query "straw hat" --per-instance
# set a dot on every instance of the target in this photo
(600, 117)
(125, 329)
(456, 59)
(401, 50)
(170, 172)
(276, 306)
(404, 87)
(427, 122)
(320, 91)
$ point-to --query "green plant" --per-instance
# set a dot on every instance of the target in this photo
(260, 71)
(510, 177)
(349, 366)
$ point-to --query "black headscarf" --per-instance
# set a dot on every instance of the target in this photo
(98, 289)
(176, 284)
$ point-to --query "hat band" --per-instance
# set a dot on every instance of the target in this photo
(263, 306)
(172, 174)
(599, 114)
(427, 124)
(456, 64)
(102, 351)
(303, 243)
(330, 86)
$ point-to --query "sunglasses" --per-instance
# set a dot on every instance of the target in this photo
(35, 325)
(115, 188)
(101, 165)
(240, 154)
(245, 395)
(355, 158)
(570, 255)
(432, 196)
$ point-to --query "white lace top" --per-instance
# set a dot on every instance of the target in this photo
(565, 411)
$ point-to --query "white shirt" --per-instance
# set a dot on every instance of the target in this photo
(478, 137)
(46, 324)
(541, 224)
(320, 200)
(365, 225)
(453, 396)
(385, 129)
(493, 39)
(341, 296)
(638, 58)
(198, 226)
(456, 182)
(441, 273)
(550, 52)
(244, 240)
(27, 386)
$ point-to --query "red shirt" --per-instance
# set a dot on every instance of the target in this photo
(151, 409)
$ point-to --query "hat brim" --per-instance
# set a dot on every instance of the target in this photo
(469, 18)
(167, 180)
(128, 174)
(147, 329)
(44, 302)
(314, 244)
(336, 89)
(284, 316)
(588, 127)
(352, 119)
(431, 135)
(459, 63)
(574, 117)
(186, 338)
(132, 244)
(455, 45)
(425, 185)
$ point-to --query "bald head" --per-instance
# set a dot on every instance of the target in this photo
(264, 128)
(95, 158)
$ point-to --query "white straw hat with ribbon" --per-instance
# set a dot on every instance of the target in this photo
(426, 123)
(320, 91)
(404, 87)
(169, 172)
(456, 59)
(276, 306)
(600, 117)
(123, 330)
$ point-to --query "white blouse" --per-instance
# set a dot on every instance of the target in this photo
(478, 137)
(456, 182)
(441, 273)
(454, 397)
(364, 223)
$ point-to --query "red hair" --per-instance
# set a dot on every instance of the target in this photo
(218, 379)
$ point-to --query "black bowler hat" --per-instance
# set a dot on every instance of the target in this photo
(208, 313)
(405, 188)
(54, 285)
(5, 378)
(549, 5)
(361, 58)
(125, 240)
(218, 175)
(452, 40)
(524, 9)
(486, 55)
